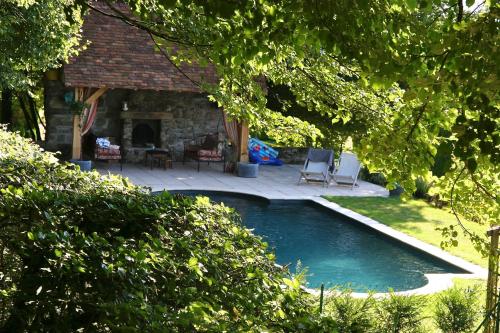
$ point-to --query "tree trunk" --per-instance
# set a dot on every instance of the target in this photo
(31, 124)
(6, 107)
(35, 115)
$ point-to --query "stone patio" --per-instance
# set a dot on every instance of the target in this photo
(274, 182)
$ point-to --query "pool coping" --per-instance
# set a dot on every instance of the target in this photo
(436, 282)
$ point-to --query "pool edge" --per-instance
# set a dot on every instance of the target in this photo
(436, 282)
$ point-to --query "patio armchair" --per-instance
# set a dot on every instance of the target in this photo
(348, 170)
(316, 166)
(210, 150)
(104, 151)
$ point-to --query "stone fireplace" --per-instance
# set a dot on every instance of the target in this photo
(142, 131)
(165, 119)
(146, 133)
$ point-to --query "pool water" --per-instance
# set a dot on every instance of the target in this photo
(335, 250)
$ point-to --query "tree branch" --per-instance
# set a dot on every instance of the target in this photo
(417, 121)
(171, 62)
(321, 87)
(138, 24)
(460, 14)
(482, 188)
(452, 205)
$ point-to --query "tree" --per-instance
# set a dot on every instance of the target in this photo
(35, 36)
(422, 74)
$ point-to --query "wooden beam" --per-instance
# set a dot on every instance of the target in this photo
(146, 115)
(98, 93)
(243, 136)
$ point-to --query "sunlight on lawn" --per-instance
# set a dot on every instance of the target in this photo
(418, 219)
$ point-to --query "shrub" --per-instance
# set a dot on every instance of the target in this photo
(421, 188)
(457, 310)
(375, 178)
(84, 252)
(352, 315)
(400, 314)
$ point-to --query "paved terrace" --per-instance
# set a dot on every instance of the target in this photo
(274, 182)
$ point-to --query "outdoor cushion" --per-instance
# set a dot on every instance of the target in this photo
(208, 153)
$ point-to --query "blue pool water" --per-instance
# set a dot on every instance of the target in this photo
(336, 250)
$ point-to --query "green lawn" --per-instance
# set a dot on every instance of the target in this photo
(416, 218)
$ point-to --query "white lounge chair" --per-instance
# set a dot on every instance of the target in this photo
(316, 166)
(348, 170)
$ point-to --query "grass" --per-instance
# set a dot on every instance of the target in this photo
(416, 218)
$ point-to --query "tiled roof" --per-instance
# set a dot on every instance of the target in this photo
(123, 56)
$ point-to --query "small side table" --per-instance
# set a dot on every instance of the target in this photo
(161, 156)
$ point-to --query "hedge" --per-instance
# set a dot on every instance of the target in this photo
(82, 252)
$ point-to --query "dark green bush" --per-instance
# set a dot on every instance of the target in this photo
(81, 252)
(400, 314)
(375, 178)
(352, 315)
(457, 310)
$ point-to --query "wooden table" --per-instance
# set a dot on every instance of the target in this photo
(162, 156)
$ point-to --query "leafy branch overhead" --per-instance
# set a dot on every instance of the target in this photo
(421, 75)
(413, 82)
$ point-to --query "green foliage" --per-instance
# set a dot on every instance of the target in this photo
(421, 188)
(400, 314)
(353, 315)
(85, 252)
(457, 310)
(287, 131)
(407, 80)
(413, 80)
(375, 178)
(35, 36)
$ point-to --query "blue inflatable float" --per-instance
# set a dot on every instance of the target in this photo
(259, 152)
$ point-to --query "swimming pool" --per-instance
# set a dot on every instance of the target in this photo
(335, 249)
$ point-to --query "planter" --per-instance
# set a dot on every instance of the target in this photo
(396, 192)
(84, 165)
(248, 170)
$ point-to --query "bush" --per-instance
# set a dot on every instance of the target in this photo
(457, 310)
(84, 252)
(352, 315)
(421, 188)
(400, 314)
(375, 178)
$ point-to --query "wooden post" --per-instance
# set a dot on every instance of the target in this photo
(492, 284)
(77, 129)
(243, 148)
(77, 138)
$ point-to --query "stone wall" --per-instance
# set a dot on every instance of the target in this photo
(59, 131)
(292, 155)
(189, 116)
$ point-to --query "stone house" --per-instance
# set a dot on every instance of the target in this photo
(145, 99)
